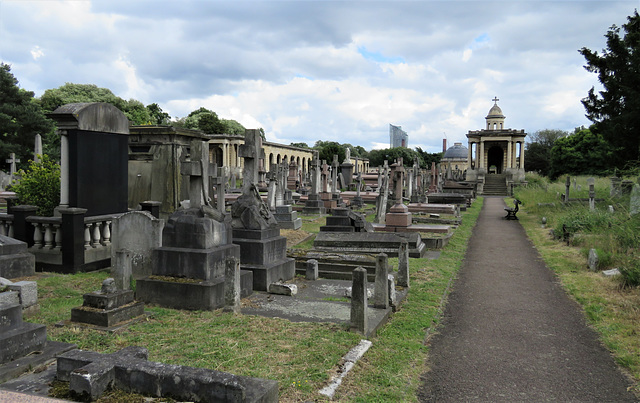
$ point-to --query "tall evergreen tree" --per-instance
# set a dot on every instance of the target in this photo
(21, 118)
(615, 111)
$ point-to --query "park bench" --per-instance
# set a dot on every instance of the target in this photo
(512, 211)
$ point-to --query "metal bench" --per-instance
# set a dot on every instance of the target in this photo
(512, 211)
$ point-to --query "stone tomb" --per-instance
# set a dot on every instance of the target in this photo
(346, 220)
(107, 309)
(15, 261)
(23, 345)
(287, 218)
(369, 242)
(255, 230)
(188, 271)
(90, 374)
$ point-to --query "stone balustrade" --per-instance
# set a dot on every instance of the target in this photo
(6, 225)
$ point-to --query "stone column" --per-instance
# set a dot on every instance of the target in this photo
(72, 237)
(64, 169)
(509, 154)
(232, 285)
(481, 157)
(521, 165)
(403, 264)
(359, 304)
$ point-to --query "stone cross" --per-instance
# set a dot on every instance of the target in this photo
(399, 178)
(251, 151)
(198, 171)
(334, 174)
(91, 374)
(634, 201)
(325, 175)
(379, 178)
(315, 174)
(359, 183)
(219, 181)
(12, 161)
(37, 152)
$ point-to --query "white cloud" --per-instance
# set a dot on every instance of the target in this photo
(36, 52)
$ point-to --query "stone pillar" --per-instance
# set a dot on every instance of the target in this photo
(509, 154)
(592, 197)
(403, 264)
(22, 230)
(567, 189)
(37, 152)
(73, 237)
(481, 155)
(64, 169)
(312, 269)
(232, 285)
(521, 165)
(152, 207)
(381, 290)
(359, 304)
(122, 270)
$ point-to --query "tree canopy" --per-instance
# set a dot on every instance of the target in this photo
(21, 118)
(377, 157)
(538, 150)
(582, 153)
(615, 111)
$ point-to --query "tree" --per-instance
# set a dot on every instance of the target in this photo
(137, 113)
(377, 157)
(428, 158)
(615, 111)
(582, 153)
(538, 150)
(157, 116)
(74, 93)
(21, 118)
(231, 126)
(39, 186)
(327, 149)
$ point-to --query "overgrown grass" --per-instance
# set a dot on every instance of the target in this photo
(390, 371)
(611, 306)
(300, 356)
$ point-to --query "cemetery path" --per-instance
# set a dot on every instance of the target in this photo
(510, 332)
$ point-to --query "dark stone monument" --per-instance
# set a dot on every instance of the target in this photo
(188, 271)
(346, 220)
(93, 157)
(347, 168)
(314, 204)
(255, 230)
(90, 374)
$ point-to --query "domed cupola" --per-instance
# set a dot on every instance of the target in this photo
(495, 118)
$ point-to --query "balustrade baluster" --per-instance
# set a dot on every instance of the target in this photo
(3, 228)
(10, 234)
(48, 236)
(58, 237)
(106, 233)
(87, 236)
(37, 235)
(96, 235)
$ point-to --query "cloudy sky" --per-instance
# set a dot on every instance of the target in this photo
(323, 70)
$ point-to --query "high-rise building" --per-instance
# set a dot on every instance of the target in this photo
(398, 137)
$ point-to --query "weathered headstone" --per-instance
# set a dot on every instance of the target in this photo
(314, 204)
(347, 168)
(567, 189)
(312, 270)
(403, 264)
(12, 163)
(232, 288)
(381, 290)
(359, 304)
(139, 233)
(592, 260)
(592, 198)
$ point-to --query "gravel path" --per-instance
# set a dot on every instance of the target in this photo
(510, 333)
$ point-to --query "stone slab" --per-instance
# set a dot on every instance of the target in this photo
(17, 265)
(22, 340)
(107, 317)
(203, 295)
(15, 368)
(261, 251)
(11, 246)
(99, 300)
(369, 242)
(278, 271)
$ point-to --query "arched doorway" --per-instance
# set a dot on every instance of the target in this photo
(495, 158)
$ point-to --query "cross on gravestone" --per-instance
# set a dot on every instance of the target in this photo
(334, 174)
(315, 174)
(358, 183)
(90, 374)
(198, 171)
(220, 181)
(251, 151)
(12, 163)
(399, 178)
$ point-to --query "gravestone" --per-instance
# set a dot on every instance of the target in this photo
(592, 260)
(359, 321)
(381, 289)
(592, 197)
(403, 264)
(634, 202)
(314, 204)
(347, 168)
(15, 260)
(93, 157)
(399, 215)
(357, 201)
(346, 220)
(90, 374)
(37, 149)
(383, 195)
(108, 309)
(137, 232)
(12, 160)
(188, 270)
(567, 189)
(255, 230)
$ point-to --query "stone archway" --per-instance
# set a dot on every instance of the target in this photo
(495, 157)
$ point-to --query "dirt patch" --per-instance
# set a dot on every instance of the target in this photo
(294, 236)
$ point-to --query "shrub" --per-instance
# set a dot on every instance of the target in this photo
(39, 186)
(581, 221)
